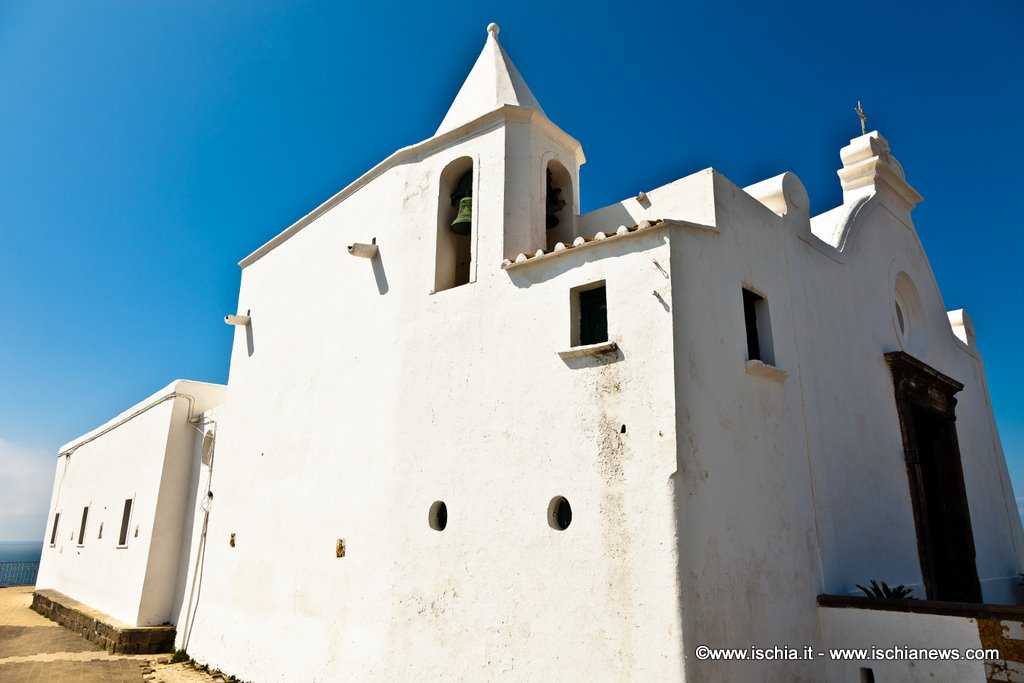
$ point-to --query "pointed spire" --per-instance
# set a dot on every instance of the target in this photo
(493, 82)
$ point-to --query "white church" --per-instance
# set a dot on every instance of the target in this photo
(472, 434)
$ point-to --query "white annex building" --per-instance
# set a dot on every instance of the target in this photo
(471, 434)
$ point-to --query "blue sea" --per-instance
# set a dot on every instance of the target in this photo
(20, 551)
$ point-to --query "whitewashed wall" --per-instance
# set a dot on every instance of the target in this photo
(358, 397)
(866, 629)
(363, 403)
(799, 487)
(148, 458)
(748, 552)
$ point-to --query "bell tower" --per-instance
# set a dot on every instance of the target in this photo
(534, 200)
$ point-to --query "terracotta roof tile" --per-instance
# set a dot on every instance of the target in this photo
(621, 231)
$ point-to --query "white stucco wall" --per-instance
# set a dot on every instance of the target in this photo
(779, 486)
(747, 547)
(195, 519)
(149, 458)
(868, 629)
(799, 487)
(847, 322)
(362, 404)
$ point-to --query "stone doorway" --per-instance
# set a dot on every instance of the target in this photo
(945, 540)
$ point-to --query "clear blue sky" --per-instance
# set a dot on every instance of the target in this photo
(145, 147)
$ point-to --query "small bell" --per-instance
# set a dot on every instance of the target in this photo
(463, 223)
(554, 202)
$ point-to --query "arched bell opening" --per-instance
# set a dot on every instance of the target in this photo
(558, 205)
(455, 225)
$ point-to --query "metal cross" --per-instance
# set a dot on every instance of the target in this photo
(863, 118)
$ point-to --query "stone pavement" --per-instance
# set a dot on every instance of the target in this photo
(34, 649)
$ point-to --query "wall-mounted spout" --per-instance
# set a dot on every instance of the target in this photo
(364, 250)
(242, 320)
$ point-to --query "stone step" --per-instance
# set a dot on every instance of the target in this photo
(112, 635)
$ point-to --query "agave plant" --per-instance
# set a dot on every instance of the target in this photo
(886, 591)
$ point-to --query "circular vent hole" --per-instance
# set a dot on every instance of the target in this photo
(438, 516)
(559, 513)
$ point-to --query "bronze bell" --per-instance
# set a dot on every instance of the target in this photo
(463, 223)
(554, 202)
(463, 198)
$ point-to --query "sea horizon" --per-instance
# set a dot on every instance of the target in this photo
(20, 551)
(17, 552)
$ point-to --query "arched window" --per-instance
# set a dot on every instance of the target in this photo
(455, 225)
(558, 205)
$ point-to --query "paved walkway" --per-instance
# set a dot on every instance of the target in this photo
(34, 649)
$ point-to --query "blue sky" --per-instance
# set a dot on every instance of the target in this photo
(146, 147)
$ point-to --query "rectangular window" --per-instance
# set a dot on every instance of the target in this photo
(81, 531)
(125, 518)
(591, 304)
(759, 329)
(53, 532)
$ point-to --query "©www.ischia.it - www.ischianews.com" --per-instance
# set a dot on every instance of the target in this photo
(807, 652)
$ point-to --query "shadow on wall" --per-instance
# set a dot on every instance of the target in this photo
(577, 256)
(611, 217)
(249, 345)
(661, 300)
(187, 619)
(197, 585)
(378, 273)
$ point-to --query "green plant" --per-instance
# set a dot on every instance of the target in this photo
(899, 592)
(179, 656)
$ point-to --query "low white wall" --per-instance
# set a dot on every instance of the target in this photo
(862, 628)
(146, 458)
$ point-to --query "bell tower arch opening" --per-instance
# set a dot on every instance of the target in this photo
(558, 205)
(456, 225)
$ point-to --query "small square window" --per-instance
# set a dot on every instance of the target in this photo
(759, 328)
(589, 307)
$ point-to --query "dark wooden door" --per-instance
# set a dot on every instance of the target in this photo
(945, 539)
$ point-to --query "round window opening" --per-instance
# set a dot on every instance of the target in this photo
(559, 513)
(908, 313)
(438, 516)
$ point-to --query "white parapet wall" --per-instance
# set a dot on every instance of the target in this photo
(900, 646)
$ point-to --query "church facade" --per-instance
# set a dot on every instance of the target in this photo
(471, 433)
